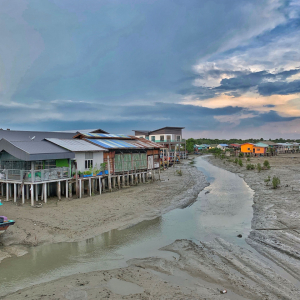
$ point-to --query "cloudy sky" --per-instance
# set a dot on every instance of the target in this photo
(219, 68)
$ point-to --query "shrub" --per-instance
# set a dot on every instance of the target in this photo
(275, 182)
(87, 173)
(250, 167)
(248, 155)
(268, 179)
(236, 161)
(222, 156)
(179, 172)
(241, 154)
(240, 163)
(258, 167)
(267, 164)
(248, 159)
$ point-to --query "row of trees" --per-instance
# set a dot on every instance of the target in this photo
(191, 142)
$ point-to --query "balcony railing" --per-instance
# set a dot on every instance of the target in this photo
(169, 141)
(35, 176)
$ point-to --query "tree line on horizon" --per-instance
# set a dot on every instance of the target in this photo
(191, 141)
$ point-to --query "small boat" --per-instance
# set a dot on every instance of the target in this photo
(5, 223)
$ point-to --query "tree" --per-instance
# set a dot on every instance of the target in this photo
(190, 143)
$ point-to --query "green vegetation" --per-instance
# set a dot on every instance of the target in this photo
(258, 167)
(275, 182)
(267, 164)
(179, 172)
(236, 161)
(248, 159)
(241, 154)
(240, 163)
(250, 167)
(268, 179)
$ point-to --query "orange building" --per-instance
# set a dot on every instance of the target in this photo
(247, 148)
(260, 148)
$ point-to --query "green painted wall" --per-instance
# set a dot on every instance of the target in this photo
(62, 163)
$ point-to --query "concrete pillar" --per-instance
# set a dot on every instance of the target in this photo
(23, 193)
(32, 194)
(45, 192)
(70, 190)
(136, 179)
(67, 189)
(90, 187)
(100, 186)
(114, 182)
(59, 190)
(36, 193)
(80, 188)
(15, 192)
(7, 191)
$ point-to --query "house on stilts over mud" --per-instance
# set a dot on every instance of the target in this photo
(37, 165)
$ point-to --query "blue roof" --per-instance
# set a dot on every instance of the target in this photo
(223, 145)
(111, 143)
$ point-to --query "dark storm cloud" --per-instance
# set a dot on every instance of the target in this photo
(265, 82)
(279, 88)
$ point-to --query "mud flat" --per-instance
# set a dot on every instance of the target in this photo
(276, 220)
(80, 219)
(197, 271)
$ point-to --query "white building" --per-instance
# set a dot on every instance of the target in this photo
(86, 154)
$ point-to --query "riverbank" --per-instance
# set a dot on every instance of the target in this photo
(195, 269)
(72, 220)
(276, 212)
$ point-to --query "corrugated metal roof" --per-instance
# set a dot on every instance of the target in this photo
(116, 144)
(34, 150)
(76, 145)
(106, 135)
(262, 145)
(28, 136)
(111, 143)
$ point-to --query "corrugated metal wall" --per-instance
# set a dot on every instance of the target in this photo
(130, 161)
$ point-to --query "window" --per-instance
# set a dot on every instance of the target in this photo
(162, 138)
(258, 149)
(50, 164)
(168, 138)
(248, 149)
(178, 138)
(153, 138)
(88, 160)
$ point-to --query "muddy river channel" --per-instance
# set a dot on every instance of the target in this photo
(223, 209)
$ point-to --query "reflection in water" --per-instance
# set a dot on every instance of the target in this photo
(225, 211)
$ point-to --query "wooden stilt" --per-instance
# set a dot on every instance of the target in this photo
(114, 182)
(59, 190)
(70, 190)
(2, 189)
(103, 184)
(109, 175)
(119, 181)
(42, 193)
(140, 177)
(100, 186)
(27, 191)
(48, 189)
(15, 192)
